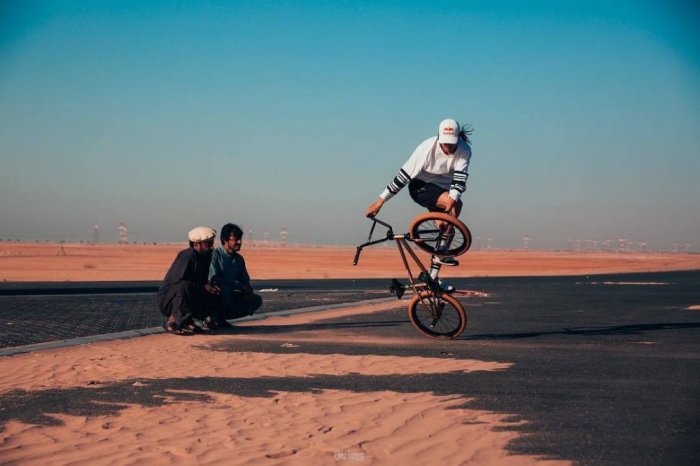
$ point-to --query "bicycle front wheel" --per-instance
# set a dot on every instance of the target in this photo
(440, 234)
(437, 315)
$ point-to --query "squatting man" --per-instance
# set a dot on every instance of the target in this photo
(204, 287)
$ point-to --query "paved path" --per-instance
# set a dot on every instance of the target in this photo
(49, 312)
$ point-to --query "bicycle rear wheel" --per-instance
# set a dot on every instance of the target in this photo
(437, 315)
(440, 234)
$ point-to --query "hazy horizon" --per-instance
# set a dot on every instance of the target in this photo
(276, 239)
(281, 114)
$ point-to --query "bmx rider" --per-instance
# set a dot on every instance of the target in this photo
(436, 175)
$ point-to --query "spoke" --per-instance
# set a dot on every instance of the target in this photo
(438, 316)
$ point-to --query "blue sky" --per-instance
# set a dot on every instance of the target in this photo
(168, 115)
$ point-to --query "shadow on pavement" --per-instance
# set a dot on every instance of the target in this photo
(637, 329)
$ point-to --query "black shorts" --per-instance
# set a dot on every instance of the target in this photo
(426, 194)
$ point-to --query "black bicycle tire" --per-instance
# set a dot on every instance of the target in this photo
(413, 307)
(414, 231)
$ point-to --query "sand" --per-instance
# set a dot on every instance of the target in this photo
(285, 427)
(82, 262)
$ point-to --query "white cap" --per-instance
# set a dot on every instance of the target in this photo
(448, 132)
(200, 234)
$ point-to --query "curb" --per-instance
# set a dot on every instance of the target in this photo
(154, 330)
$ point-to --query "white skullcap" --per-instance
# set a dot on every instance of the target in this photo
(200, 234)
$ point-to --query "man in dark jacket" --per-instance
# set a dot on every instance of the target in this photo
(185, 292)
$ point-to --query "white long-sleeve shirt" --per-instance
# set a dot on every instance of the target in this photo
(430, 164)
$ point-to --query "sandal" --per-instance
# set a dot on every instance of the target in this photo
(174, 329)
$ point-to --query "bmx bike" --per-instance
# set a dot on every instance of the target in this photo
(432, 310)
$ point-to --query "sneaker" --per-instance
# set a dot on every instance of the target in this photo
(451, 261)
(223, 324)
(191, 327)
(446, 287)
(209, 324)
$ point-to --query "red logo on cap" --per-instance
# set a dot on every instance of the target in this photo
(450, 131)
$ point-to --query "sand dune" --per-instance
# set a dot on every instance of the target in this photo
(328, 427)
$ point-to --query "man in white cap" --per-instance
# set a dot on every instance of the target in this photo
(436, 175)
(185, 293)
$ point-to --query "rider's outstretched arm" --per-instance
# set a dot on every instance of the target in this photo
(406, 173)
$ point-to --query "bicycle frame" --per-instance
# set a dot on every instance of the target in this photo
(432, 310)
(402, 240)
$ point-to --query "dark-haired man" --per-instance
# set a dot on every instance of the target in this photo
(228, 272)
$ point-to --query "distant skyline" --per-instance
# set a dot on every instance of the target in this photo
(166, 116)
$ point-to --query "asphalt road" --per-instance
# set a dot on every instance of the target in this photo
(44, 312)
(606, 368)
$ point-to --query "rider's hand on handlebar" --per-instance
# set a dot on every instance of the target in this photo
(449, 206)
(374, 208)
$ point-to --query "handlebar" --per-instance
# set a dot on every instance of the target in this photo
(357, 255)
(375, 220)
(369, 242)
